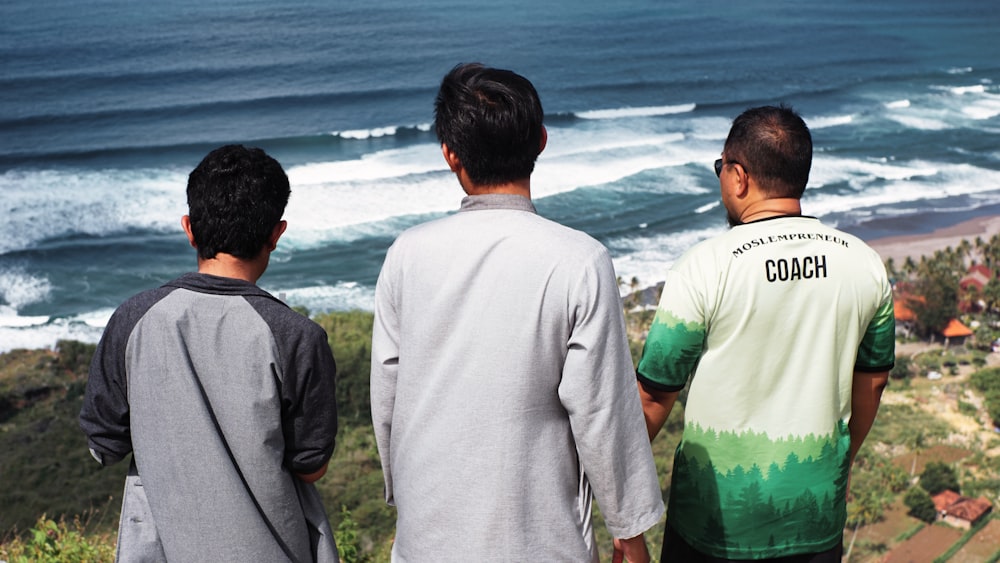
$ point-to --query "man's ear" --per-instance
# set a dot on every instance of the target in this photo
(451, 158)
(279, 229)
(186, 225)
(739, 181)
(545, 140)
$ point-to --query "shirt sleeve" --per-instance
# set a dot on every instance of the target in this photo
(676, 336)
(877, 352)
(309, 397)
(104, 417)
(599, 394)
(384, 368)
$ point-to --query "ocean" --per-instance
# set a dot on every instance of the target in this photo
(106, 106)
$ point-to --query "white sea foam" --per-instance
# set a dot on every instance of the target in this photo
(898, 104)
(986, 107)
(42, 204)
(649, 257)
(960, 70)
(344, 296)
(960, 90)
(361, 134)
(878, 185)
(46, 335)
(619, 113)
(708, 207)
(19, 288)
(822, 122)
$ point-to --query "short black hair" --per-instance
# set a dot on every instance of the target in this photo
(774, 145)
(492, 119)
(236, 196)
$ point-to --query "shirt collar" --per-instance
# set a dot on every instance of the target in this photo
(497, 201)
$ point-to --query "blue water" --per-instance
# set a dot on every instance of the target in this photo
(105, 106)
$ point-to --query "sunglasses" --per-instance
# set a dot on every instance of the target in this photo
(719, 164)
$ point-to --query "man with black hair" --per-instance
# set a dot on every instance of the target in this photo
(501, 384)
(224, 395)
(785, 329)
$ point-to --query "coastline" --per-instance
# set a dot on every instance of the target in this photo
(898, 248)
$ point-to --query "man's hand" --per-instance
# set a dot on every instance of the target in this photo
(634, 550)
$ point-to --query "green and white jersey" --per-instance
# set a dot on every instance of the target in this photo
(769, 321)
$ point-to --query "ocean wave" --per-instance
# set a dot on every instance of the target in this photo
(19, 288)
(876, 185)
(344, 296)
(897, 104)
(821, 122)
(708, 207)
(45, 335)
(960, 90)
(649, 257)
(44, 204)
(620, 113)
(379, 132)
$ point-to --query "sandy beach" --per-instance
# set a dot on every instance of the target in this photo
(915, 246)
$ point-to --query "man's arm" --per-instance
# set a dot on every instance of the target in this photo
(866, 393)
(384, 368)
(656, 407)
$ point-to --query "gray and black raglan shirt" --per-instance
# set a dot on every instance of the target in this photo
(222, 393)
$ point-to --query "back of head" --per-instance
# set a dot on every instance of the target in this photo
(774, 146)
(236, 196)
(492, 119)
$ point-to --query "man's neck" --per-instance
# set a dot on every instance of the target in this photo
(765, 208)
(229, 266)
(517, 187)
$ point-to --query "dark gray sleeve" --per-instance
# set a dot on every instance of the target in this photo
(104, 417)
(308, 386)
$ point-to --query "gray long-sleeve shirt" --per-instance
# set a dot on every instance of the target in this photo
(503, 391)
(222, 392)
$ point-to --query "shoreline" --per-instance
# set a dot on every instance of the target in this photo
(899, 247)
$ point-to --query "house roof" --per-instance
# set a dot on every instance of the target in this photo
(977, 279)
(956, 329)
(902, 312)
(944, 499)
(957, 506)
(970, 509)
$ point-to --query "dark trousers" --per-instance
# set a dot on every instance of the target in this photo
(675, 549)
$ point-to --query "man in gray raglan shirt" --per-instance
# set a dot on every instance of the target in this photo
(224, 395)
(503, 394)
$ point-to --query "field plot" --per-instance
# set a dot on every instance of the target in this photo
(981, 546)
(925, 546)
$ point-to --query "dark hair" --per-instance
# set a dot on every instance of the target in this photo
(774, 145)
(492, 119)
(236, 196)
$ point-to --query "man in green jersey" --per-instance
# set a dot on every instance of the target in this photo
(785, 329)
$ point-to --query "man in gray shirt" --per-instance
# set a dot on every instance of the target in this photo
(503, 393)
(224, 395)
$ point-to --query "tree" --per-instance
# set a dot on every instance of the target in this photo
(903, 368)
(938, 288)
(920, 504)
(938, 476)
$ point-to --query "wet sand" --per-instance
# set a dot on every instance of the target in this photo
(915, 246)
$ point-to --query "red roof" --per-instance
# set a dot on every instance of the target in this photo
(944, 499)
(956, 329)
(957, 506)
(976, 278)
